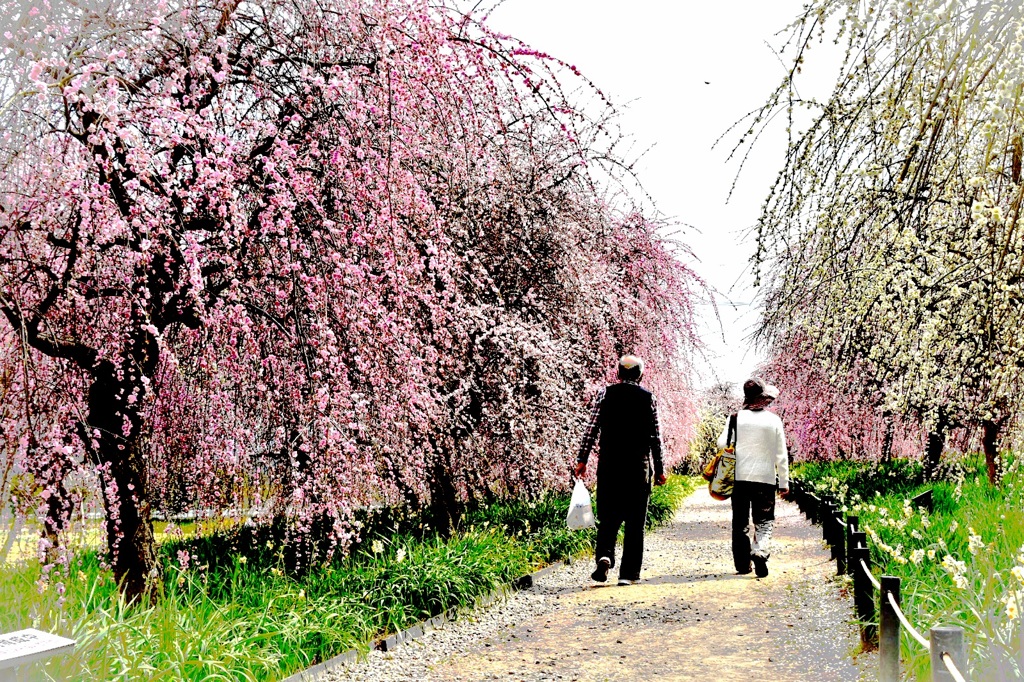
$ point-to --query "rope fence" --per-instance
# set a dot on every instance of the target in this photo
(904, 622)
(951, 666)
(877, 602)
(874, 583)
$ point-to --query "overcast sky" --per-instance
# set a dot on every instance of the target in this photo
(685, 71)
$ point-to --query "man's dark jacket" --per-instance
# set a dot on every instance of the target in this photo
(628, 435)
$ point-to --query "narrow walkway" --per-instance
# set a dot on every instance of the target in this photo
(689, 618)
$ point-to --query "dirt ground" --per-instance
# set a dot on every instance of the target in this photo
(690, 617)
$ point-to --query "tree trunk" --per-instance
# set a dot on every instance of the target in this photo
(118, 447)
(129, 527)
(887, 438)
(936, 443)
(445, 510)
(990, 444)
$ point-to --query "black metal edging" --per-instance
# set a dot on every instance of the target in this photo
(391, 642)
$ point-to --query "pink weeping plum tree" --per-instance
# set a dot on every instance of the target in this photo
(304, 257)
(835, 414)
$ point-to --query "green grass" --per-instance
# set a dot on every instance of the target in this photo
(980, 528)
(666, 499)
(242, 611)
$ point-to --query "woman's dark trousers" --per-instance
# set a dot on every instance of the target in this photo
(619, 504)
(757, 500)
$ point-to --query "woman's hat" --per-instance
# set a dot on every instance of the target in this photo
(753, 389)
(757, 394)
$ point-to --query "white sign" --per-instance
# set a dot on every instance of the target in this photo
(25, 646)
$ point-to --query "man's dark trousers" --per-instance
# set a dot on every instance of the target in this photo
(618, 504)
(749, 498)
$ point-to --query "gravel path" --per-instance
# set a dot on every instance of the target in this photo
(689, 618)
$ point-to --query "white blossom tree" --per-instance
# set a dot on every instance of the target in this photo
(896, 218)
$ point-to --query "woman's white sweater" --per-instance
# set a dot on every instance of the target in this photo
(761, 453)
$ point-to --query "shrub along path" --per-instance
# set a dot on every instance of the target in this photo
(689, 618)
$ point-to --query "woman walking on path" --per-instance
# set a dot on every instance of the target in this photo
(762, 466)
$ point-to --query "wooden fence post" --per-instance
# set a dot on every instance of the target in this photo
(949, 641)
(862, 597)
(858, 582)
(852, 526)
(825, 515)
(839, 549)
(812, 508)
(889, 631)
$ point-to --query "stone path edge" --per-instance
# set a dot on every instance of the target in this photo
(390, 642)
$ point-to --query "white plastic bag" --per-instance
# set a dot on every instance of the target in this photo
(581, 514)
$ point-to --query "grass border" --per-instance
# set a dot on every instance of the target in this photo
(391, 642)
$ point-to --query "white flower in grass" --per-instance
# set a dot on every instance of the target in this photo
(931, 555)
(400, 555)
(377, 546)
(917, 556)
(952, 565)
(1012, 605)
(953, 526)
(960, 581)
(1018, 573)
(974, 542)
(924, 521)
(916, 534)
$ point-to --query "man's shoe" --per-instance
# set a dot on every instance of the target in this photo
(600, 574)
(625, 582)
(760, 566)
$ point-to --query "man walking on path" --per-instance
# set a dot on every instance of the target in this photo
(625, 416)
